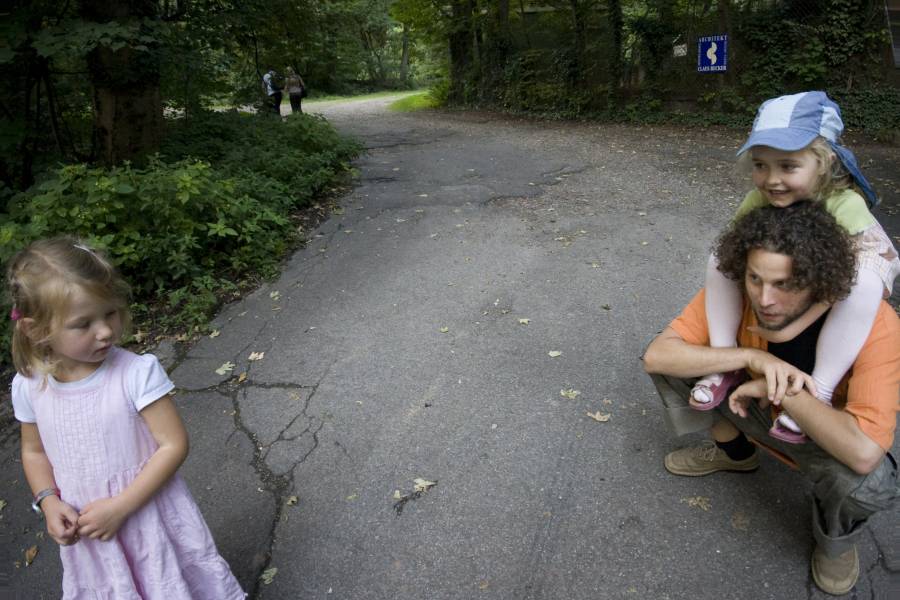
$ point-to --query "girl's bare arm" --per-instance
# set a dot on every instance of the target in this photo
(61, 518)
(103, 518)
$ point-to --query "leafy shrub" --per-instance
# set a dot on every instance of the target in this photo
(182, 232)
(875, 110)
(298, 157)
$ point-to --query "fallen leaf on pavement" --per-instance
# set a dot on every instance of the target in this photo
(423, 485)
(740, 521)
(30, 555)
(226, 367)
(554, 353)
(570, 394)
(256, 356)
(214, 333)
(701, 502)
(275, 295)
(269, 575)
(242, 377)
(599, 417)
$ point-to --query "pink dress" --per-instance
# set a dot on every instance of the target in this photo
(97, 443)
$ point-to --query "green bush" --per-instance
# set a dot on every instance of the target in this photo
(875, 110)
(184, 231)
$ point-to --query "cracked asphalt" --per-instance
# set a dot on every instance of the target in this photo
(395, 349)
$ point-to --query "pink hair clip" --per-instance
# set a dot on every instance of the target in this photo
(14, 314)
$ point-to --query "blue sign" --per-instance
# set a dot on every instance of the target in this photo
(712, 54)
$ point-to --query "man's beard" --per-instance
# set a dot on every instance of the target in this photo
(785, 320)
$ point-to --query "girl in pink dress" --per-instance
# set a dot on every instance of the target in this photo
(101, 437)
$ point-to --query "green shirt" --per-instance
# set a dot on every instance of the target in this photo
(846, 206)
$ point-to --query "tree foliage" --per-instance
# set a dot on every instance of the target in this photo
(90, 80)
(616, 57)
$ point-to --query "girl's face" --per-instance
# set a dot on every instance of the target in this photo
(87, 333)
(785, 177)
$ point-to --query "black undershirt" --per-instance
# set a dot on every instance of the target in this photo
(800, 351)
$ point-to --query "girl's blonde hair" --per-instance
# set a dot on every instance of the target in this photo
(832, 176)
(41, 280)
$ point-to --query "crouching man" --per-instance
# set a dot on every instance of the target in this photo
(787, 259)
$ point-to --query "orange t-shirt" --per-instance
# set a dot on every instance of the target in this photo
(870, 391)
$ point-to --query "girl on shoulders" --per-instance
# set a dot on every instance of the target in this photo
(795, 154)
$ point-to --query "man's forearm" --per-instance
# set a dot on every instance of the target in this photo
(670, 355)
(835, 431)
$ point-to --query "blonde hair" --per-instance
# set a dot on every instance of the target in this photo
(832, 176)
(41, 280)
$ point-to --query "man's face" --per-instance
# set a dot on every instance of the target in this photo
(767, 282)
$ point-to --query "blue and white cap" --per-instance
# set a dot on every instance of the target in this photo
(792, 122)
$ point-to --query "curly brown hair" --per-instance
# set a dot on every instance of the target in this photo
(824, 260)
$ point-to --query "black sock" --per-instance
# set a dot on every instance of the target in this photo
(739, 448)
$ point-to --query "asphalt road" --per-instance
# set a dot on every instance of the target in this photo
(412, 338)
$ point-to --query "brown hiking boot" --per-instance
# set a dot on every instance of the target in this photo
(705, 459)
(837, 575)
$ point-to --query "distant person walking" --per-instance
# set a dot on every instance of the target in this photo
(296, 89)
(273, 91)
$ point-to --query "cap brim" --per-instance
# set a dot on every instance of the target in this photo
(785, 139)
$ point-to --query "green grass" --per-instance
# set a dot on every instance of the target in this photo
(285, 101)
(373, 95)
(420, 101)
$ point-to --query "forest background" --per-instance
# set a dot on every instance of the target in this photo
(115, 122)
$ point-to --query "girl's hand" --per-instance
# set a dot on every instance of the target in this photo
(62, 520)
(782, 378)
(745, 393)
(101, 519)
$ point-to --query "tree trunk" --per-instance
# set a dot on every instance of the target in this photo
(404, 56)
(576, 65)
(460, 49)
(127, 105)
(616, 23)
(724, 17)
(497, 48)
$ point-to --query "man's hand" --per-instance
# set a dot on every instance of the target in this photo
(101, 519)
(62, 520)
(747, 392)
(782, 378)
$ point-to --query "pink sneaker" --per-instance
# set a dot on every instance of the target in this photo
(786, 429)
(710, 391)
